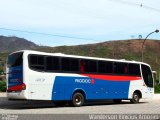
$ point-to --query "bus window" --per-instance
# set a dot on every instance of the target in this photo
(74, 65)
(65, 64)
(37, 62)
(15, 60)
(90, 66)
(120, 68)
(147, 75)
(81, 66)
(134, 69)
(105, 67)
(52, 63)
(70, 64)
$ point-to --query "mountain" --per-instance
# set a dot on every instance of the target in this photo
(119, 49)
(9, 44)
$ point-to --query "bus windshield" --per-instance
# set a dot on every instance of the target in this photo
(147, 76)
(15, 59)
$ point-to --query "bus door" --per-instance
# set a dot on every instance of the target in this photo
(148, 79)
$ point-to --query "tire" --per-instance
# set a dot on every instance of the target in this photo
(135, 98)
(77, 99)
(117, 101)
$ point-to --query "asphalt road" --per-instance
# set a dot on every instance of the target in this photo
(107, 107)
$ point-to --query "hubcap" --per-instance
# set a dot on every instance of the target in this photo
(78, 100)
(136, 97)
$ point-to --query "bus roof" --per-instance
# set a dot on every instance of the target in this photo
(77, 56)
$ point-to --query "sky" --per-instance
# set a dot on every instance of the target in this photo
(73, 22)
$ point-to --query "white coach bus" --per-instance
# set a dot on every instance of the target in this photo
(33, 75)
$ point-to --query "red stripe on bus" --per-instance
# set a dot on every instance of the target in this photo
(112, 77)
(17, 87)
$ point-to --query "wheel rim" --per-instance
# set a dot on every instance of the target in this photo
(78, 100)
(136, 98)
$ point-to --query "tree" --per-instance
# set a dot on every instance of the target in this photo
(1, 70)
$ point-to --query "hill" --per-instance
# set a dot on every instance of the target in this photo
(9, 44)
(120, 49)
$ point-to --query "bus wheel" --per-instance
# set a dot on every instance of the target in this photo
(78, 99)
(135, 98)
(117, 101)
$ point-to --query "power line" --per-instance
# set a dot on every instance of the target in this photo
(137, 4)
(47, 34)
(151, 8)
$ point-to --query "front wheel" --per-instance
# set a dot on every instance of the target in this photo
(135, 98)
(77, 99)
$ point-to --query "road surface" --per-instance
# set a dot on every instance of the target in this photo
(108, 107)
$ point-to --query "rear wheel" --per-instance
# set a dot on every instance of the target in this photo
(135, 98)
(117, 101)
(77, 99)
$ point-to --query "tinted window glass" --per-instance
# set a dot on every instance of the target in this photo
(120, 68)
(134, 69)
(82, 66)
(70, 64)
(15, 60)
(33, 60)
(74, 65)
(40, 60)
(90, 66)
(52, 63)
(105, 67)
(65, 64)
(147, 76)
(37, 62)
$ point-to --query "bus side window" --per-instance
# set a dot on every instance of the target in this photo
(105, 67)
(134, 69)
(52, 63)
(90, 66)
(37, 62)
(126, 69)
(65, 64)
(82, 66)
(120, 68)
(70, 64)
(74, 65)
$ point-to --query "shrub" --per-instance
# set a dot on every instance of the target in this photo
(157, 88)
(3, 86)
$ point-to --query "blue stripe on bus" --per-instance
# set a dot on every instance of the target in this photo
(64, 86)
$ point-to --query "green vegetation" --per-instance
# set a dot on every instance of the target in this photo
(2, 70)
(3, 86)
(2, 62)
(157, 88)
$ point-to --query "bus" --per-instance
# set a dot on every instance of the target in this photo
(33, 75)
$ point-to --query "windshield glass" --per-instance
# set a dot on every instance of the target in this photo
(15, 59)
(147, 76)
